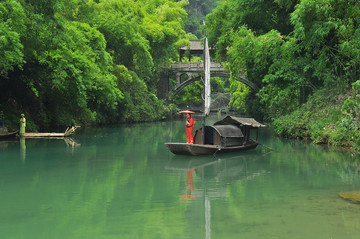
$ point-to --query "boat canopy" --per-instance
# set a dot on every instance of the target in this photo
(227, 131)
(231, 120)
(222, 135)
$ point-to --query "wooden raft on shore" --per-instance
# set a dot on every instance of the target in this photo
(68, 132)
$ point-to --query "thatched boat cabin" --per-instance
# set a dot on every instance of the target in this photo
(228, 132)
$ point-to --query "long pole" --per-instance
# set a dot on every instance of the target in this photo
(203, 96)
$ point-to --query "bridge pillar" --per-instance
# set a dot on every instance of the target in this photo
(163, 86)
(178, 79)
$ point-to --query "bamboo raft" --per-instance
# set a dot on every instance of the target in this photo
(68, 132)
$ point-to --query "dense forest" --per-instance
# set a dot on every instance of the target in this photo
(305, 57)
(84, 61)
(67, 62)
(197, 10)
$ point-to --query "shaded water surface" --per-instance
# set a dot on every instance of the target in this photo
(122, 182)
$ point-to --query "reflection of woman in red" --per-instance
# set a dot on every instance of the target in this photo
(189, 186)
(189, 129)
(189, 181)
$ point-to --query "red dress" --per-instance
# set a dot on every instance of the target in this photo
(189, 124)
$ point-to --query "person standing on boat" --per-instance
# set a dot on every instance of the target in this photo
(22, 125)
(189, 124)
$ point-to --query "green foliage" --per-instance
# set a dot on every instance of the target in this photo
(120, 22)
(76, 61)
(258, 15)
(239, 95)
(351, 107)
(348, 130)
(12, 28)
(163, 29)
(197, 11)
(190, 95)
(138, 104)
(326, 31)
(270, 57)
(321, 120)
(76, 74)
(296, 52)
(141, 35)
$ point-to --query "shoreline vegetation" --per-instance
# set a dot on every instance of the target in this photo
(329, 117)
(305, 58)
(100, 62)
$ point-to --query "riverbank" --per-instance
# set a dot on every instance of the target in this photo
(329, 117)
(40, 121)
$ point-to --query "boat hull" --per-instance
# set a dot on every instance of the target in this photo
(7, 135)
(201, 149)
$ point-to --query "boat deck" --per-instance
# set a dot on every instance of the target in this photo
(39, 135)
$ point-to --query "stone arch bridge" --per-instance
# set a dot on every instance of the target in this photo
(195, 70)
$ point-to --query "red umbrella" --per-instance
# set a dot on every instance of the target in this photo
(185, 112)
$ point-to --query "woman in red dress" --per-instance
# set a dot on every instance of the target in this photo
(189, 124)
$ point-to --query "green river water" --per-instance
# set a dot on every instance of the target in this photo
(122, 182)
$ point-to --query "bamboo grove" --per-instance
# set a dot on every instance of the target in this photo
(67, 62)
(99, 61)
(303, 54)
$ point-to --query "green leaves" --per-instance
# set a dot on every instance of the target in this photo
(299, 47)
(304, 55)
(87, 61)
(197, 10)
(12, 27)
(326, 30)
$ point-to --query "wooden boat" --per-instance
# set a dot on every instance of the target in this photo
(230, 134)
(9, 134)
(67, 133)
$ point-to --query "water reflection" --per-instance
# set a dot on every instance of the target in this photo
(8, 144)
(224, 167)
(3, 145)
(265, 192)
(215, 174)
(22, 149)
(71, 143)
(123, 183)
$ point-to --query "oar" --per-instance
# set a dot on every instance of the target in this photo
(264, 145)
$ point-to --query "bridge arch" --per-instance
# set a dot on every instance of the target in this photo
(195, 69)
(196, 77)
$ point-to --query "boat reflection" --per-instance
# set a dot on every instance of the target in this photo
(214, 174)
(70, 142)
(224, 168)
(23, 144)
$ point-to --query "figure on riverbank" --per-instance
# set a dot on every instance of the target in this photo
(189, 124)
(22, 125)
(3, 129)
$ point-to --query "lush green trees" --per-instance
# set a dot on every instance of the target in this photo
(12, 28)
(197, 11)
(292, 49)
(73, 61)
(288, 48)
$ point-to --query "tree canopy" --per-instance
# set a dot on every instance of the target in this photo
(67, 62)
(298, 52)
(289, 48)
(197, 11)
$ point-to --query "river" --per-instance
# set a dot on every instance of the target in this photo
(122, 182)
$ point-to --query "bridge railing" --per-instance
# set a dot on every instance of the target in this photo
(196, 67)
